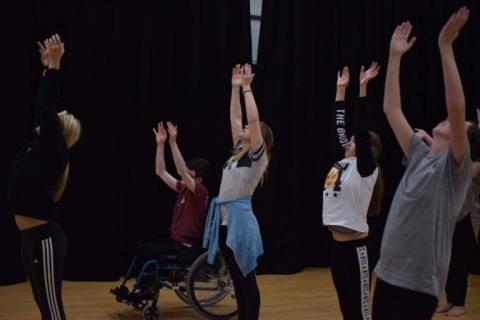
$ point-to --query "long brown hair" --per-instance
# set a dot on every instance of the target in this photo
(376, 203)
(267, 135)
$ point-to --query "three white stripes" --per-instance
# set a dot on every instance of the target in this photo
(49, 278)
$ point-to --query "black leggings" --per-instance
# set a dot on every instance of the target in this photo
(154, 249)
(246, 288)
(351, 276)
(43, 252)
(395, 303)
(463, 247)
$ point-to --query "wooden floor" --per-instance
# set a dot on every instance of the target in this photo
(304, 296)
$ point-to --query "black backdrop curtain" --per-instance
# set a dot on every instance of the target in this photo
(128, 64)
(302, 45)
(132, 63)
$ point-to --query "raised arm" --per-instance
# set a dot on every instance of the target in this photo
(180, 164)
(365, 159)
(160, 170)
(235, 105)
(339, 117)
(251, 107)
(454, 95)
(48, 97)
(392, 104)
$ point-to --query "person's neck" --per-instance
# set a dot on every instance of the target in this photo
(439, 145)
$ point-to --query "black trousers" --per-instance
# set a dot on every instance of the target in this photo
(246, 288)
(395, 303)
(154, 249)
(351, 276)
(43, 251)
(463, 248)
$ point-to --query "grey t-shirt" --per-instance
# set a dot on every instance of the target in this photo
(241, 176)
(417, 240)
(472, 201)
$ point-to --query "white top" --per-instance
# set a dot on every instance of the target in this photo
(347, 195)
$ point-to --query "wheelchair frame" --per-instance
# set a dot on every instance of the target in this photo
(166, 272)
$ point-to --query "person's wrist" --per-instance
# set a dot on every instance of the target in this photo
(246, 87)
(395, 54)
(54, 65)
(363, 90)
(246, 90)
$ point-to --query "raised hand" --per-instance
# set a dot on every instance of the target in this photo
(451, 29)
(424, 136)
(172, 132)
(247, 75)
(43, 54)
(56, 49)
(237, 76)
(343, 77)
(400, 43)
(372, 72)
(160, 133)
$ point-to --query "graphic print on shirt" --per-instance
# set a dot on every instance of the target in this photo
(334, 178)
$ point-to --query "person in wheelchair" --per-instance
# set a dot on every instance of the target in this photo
(163, 262)
(186, 230)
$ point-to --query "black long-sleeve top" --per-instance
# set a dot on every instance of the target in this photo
(39, 165)
(366, 164)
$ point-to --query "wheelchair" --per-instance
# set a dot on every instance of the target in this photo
(207, 288)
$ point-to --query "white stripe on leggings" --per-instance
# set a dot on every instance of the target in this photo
(52, 267)
(364, 280)
(47, 275)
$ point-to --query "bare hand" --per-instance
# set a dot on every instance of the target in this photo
(343, 77)
(372, 72)
(247, 75)
(424, 136)
(172, 132)
(160, 133)
(237, 76)
(400, 43)
(55, 48)
(43, 54)
(451, 29)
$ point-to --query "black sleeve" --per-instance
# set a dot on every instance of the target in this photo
(365, 162)
(48, 99)
(340, 130)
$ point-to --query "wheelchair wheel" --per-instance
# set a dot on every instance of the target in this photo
(151, 312)
(210, 289)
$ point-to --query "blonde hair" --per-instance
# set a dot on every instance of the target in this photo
(72, 128)
(62, 183)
